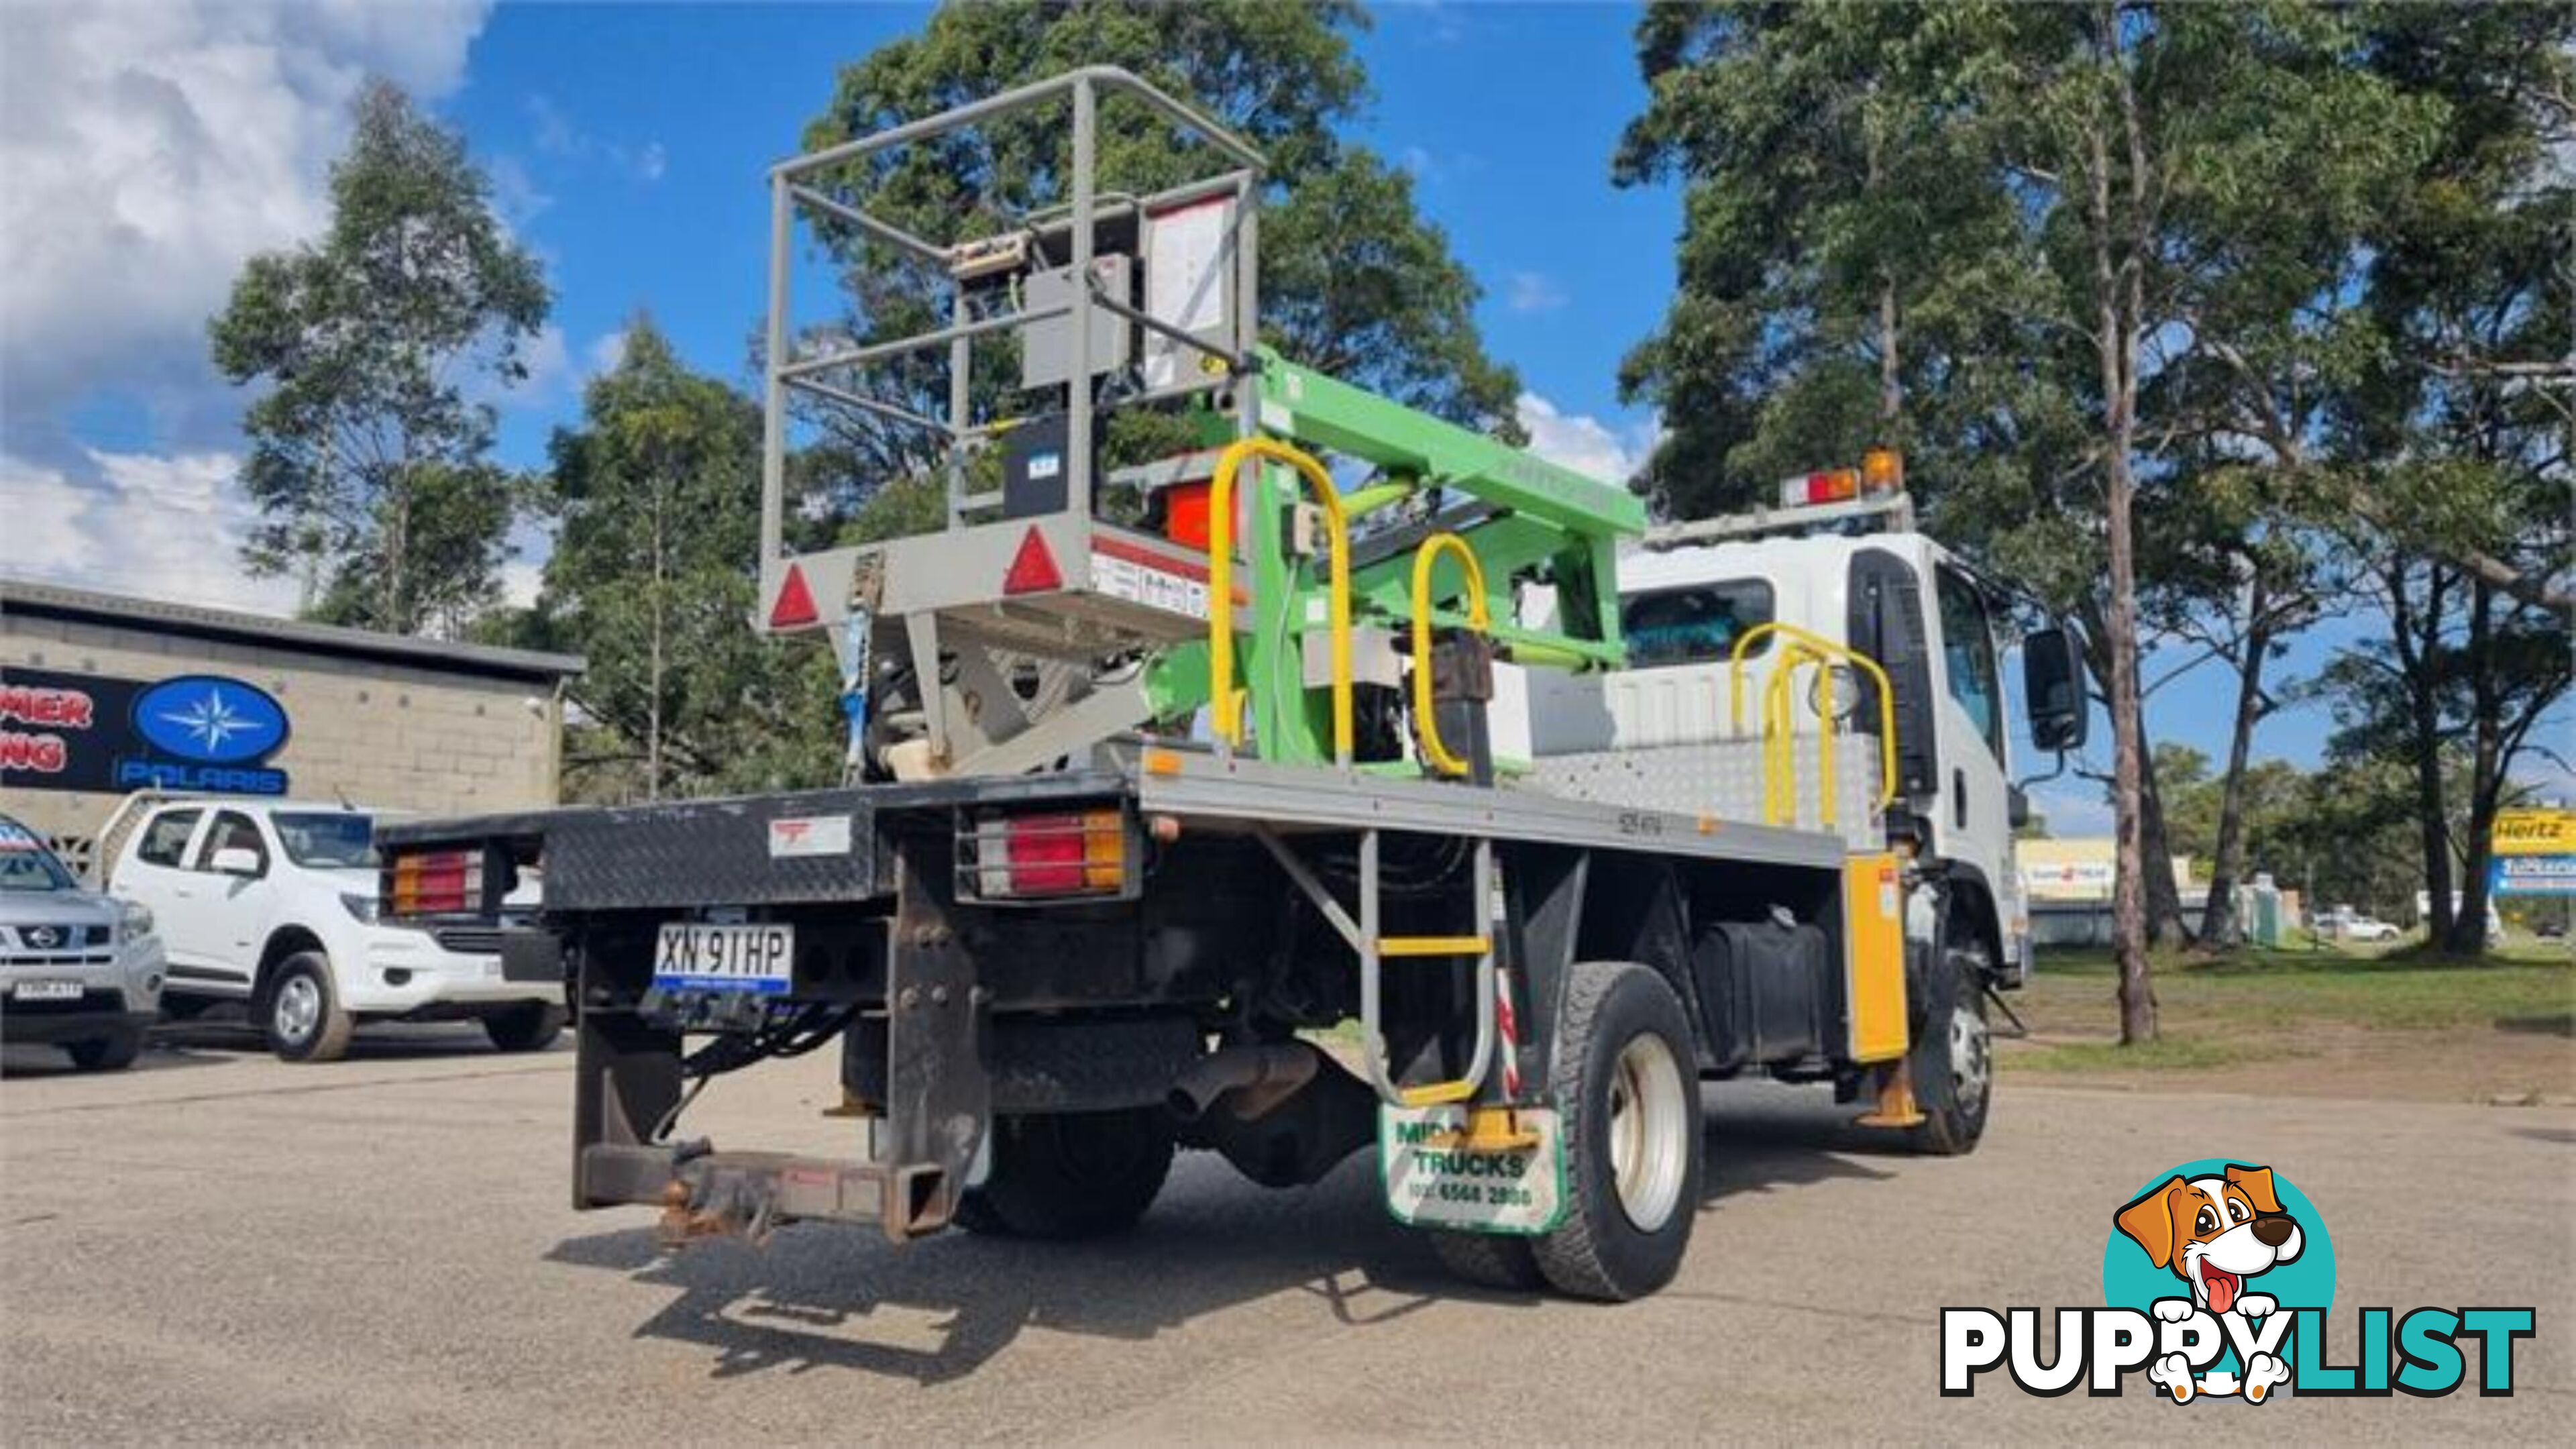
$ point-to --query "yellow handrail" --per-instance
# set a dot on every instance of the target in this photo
(1479, 618)
(1809, 647)
(1223, 699)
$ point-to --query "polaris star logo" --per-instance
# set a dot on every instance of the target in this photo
(210, 721)
(204, 732)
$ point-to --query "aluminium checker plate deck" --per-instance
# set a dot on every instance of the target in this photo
(1199, 785)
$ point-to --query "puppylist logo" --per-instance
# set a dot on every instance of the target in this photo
(2218, 1278)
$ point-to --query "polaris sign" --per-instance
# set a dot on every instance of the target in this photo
(202, 732)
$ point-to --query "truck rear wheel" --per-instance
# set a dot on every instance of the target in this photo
(1068, 1175)
(1953, 1056)
(1626, 1081)
(1488, 1260)
(304, 1017)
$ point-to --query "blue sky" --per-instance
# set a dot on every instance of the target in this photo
(628, 146)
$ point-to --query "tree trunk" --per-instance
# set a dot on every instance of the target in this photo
(392, 615)
(2167, 926)
(1891, 391)
(653, 704)
(2418, 657)
(2468, 934)
(2117, 310)
(2218, 923)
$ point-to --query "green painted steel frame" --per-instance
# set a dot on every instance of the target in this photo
(1546, 518)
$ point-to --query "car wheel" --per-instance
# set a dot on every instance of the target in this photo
(1068, 1175)
(112, 1053)
(1626, 1081)
(532, 1026)
(304, 1017)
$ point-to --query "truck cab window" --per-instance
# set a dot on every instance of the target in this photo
(166, 838)
(1968, 657)
(1694, 625)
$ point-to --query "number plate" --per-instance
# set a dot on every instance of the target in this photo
(1434, 1181)
(725, 958)
(45, 991)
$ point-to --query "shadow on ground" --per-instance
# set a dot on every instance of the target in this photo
(829, 1296)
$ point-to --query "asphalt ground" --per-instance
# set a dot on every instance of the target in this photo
(220, 1247)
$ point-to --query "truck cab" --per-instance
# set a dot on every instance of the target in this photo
(1706, 609)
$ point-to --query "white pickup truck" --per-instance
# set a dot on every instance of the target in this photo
(273, 904)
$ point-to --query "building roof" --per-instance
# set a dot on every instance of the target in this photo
(58, 601)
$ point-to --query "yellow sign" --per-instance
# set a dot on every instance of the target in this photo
(2535, 832)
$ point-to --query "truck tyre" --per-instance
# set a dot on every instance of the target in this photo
(111, 1053)
(1627, 1083)
(528, 1027)
(1952, 1059)
(1067, 1175)
(304, 1018)
(1488, 1260)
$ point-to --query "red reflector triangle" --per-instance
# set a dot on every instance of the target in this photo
(1033, 569)
(795, 603)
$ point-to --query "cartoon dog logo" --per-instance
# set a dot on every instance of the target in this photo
(2215, 1234)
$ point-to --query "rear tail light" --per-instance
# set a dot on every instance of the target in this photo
(1837, 485)
(437, 882)
(1048, 855)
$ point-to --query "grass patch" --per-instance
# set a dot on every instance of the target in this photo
(2222, 1011)
(2172, 1053)
(2259, 991)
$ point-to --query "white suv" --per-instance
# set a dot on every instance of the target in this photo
(273, 903)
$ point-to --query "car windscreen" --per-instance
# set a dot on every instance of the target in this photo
(327, 840)
(25, 863)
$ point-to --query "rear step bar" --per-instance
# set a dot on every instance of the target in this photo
(705, 1194)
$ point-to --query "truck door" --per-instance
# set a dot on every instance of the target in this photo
(1971, 824)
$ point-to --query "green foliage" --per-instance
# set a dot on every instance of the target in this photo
(367, 448)
(1353, 279)
(2110, 272)
(652, 579)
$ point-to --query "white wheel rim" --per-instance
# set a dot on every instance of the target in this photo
(299, 1006)
(1648, 1131)
(1971, 1058)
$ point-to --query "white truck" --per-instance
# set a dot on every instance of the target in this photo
(1158, 766)
(273, 904)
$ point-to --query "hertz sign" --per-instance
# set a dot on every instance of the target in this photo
(2534, 853)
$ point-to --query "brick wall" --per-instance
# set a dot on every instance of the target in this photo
(388, 735)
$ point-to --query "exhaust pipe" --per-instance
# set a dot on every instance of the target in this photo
(1264, 1075)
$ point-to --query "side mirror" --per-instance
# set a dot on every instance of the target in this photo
(2052, 688)
(236, 860)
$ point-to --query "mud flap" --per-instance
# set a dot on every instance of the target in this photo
(1483, 1170)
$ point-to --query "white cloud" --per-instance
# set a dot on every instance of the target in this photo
(515, 194)
(1418, 163)
(555, 135)
(1533, 292)
(146, 151)
(1583, 442)
(148, 148)
(164, 528)
(604, 353)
